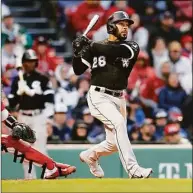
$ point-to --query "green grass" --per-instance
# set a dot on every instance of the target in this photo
(98, 185)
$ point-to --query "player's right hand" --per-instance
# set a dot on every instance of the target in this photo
(29, 92)
(79, 43)
(76, 47)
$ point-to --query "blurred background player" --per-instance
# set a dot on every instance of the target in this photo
(90, 7)
(172, 135)
(47, 59)
(13, 30)
(32, 94)
(8, 65)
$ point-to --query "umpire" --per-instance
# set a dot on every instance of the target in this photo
(111, 62)
(34, 99)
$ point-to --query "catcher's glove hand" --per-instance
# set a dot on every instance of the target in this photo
(79, 43)
(24, 132)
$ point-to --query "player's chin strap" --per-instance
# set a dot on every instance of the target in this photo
(22, 156)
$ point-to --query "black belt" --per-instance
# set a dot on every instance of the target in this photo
(31, 112)
(110, 92)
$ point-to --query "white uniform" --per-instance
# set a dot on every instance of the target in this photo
(112, 112)
(35, 105)
(111, 64)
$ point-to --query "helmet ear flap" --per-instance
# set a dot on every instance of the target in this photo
(111, 28)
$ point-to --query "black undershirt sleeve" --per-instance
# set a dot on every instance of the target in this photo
(78, 66)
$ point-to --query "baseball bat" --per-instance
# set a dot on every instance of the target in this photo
(19, 68)
(135, 91)
(91, 24)
(20, 74)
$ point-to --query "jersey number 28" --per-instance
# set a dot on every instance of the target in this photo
(99, 62)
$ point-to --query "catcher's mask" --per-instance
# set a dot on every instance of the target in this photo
(115, 18)
(30, 55)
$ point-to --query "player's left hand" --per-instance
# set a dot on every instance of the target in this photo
(79, 43)
(24, 132)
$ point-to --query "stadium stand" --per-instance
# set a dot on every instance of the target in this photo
(160, 22)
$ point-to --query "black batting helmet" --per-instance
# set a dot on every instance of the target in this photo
(29, 55)
(115, 18)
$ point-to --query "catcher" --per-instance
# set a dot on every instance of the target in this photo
(19, 144)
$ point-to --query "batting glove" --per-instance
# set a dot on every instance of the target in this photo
(21, 87)
(79, 43)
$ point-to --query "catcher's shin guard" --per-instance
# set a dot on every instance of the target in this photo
(26, 153)
(23, 150)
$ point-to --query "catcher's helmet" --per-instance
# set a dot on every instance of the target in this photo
(115, 18)
(29, 55)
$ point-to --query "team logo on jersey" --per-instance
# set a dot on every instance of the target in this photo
(36, 85)
(125, 62)
(134, 45)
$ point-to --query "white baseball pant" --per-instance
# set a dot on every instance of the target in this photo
(38, 124)
(112, 112)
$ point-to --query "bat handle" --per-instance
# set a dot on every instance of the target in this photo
(84, 34)
(20, 74)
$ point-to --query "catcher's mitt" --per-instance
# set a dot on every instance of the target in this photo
(24, 132)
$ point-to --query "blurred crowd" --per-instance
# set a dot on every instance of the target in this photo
(159, 92)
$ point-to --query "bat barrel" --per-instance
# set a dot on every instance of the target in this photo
(91, 24)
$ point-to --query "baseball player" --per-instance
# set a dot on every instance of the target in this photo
(31, 92)
(17, 145)
(111, 62)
